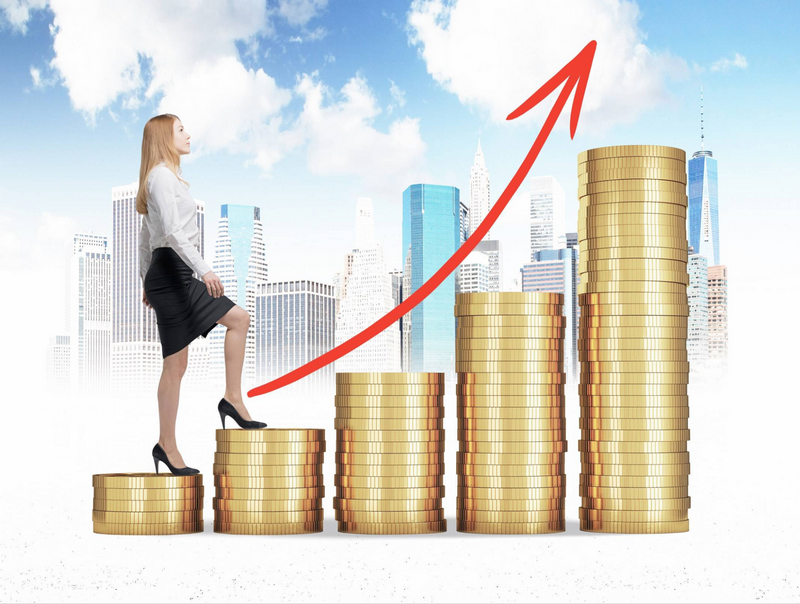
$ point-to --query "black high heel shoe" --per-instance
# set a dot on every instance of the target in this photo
(225, 408)
(160, 455)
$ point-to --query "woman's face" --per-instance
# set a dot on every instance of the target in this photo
(181, 138)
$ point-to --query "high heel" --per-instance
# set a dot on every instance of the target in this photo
(225, 408)
(160, 455)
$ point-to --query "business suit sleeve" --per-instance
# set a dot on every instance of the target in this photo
(163, 200)
(145, 254)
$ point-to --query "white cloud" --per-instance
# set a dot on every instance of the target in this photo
(300, 12)
(329, 58)
(494, 55)
(398, 94)
(36, 76)
(297, 39)
(18, 12)
(724, 64)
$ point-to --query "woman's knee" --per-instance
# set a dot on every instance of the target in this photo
(236, 318)
(176, 364)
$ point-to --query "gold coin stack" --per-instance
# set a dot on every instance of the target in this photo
(147, 504)
(632, 344)
(389, 453)
(269, 482)
(511, 432)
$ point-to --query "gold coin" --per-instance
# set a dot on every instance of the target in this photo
(471, 403)
(636, 435)
(634, 458)
(271, 494)
(389, 471)
(631, 197)
(389, 482)
(145, 481)
(612, 423)
(274, 482)
(268, 471)
(633, 390)
(532, 516)
(588, 334)
(292, 528)
(631, 274)
(668, 310)
(547, 358)
(390, 517)
(591, 368)
(353, 435)
(600, 225)
(679, 446)
(601, 469)
(386, 505)
(648, 528)
(250, 505)
(179, 516)
(391, 402)
(612, 163)
(254, 448)
(633, 515)
(391, 413)
(651, 378)
(624, 232)
(637, 186)
(628, 345)
(631, 151)
(389, 448)
(508, 448)
(489, 393)
(480, 310)
(631, 287)
(516, 374)
(545, 496)
(635, 412)
(679, 503)
(614, 298)
(398, 390)
(472, 475)
(531, 423)
(633, 481)
(390, 459)
(270, 435)
(412, 423)
(527, 345)
(128, 494)
(509, 505)
(678, 176)
(544, 322)
(165, 505)
(513, 435)
(674, 207)
(633, 356)
(389, 378)
(267, 459)
(505, 413)
(633, 239)
(621, 493)
(551, 338)
(389, 493)
(174, 528)
(630, 253)
(509, 298)
(508, 459)
(268, 517)
(519, 528)
(405, 528)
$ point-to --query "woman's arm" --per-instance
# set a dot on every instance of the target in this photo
(145, 254)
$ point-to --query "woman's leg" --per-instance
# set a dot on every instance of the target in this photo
(238, 322)
(169, 390)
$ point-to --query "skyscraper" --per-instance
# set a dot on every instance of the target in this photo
(703, 200)
(717, 316)
(480, 200)
(697, 292)
(547, 215)
(240, 262)
(294, 323)
(368, 296)
(88, 320)
(481, 270)
(57, 364)
(431, 234)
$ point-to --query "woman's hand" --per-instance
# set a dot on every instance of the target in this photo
(213, 284)
(144, 299)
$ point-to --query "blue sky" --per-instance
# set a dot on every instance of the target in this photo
(54, 160)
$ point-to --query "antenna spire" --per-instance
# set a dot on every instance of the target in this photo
(702, 141)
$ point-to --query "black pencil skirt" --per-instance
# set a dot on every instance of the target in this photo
(184, 308)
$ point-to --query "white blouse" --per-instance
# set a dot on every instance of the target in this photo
(171, 221)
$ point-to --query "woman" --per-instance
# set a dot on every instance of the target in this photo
(185, 308)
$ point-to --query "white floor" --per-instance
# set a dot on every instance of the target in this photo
(742, 544)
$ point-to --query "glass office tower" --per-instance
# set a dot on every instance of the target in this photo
(431, 234)
(704, 206)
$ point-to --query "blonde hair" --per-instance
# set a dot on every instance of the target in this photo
(157, 145)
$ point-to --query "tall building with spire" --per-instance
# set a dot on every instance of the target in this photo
(480, 200)
(703, 199)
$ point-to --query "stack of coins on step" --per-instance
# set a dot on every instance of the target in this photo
(511, 432)
(147, 504)
(632, 345)
(389, 453)
(269, 482)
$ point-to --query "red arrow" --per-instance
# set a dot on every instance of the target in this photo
(576, 73)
